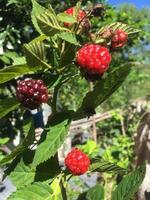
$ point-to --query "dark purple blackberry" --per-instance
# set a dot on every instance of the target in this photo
(32, 93)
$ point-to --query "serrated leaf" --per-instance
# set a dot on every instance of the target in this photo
(36, 191)
(49, 24)
(23, 174)
(55, 136)
(7, 105)
(95, 193)
(105, 88)
(100, 165)
(37, 9)
(129, 185)
(69, 37)
(64, 17)
(35, 54)
(118, 25)
(15, 71)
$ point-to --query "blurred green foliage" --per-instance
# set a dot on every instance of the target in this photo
(90, 148)
(120, 151)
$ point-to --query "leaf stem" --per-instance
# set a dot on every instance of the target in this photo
(63, 190)
(63, 178)
(54, 101)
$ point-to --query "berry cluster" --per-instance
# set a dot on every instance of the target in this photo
(32, 93)
(93, 58)
(119, 38)
(80, 17)
(77, 162)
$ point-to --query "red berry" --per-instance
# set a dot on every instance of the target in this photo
(93, 58)
(70, 11)
(77, 162)
(32, 93)
(119, 38)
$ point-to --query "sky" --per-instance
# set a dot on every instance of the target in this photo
(138, 3)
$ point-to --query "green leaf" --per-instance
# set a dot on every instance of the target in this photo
(55, 136)
(95, 193)
(5, 59)
(49, 24)
(21, 147)
(64, 17)
(118, 25)
(47, 170)
(10, 55)
(4, 140)
(37, 9)
(51, 10)
(77, 9)
(100, 165)
(7, 105)
(40, 38)
(129, 185)
(17, 151)
(105, 88)
(37, 191)
(23, 174)
(55, 186)
(39, 24)
(69, 37)
(68, 55)
(19, 60)
(26, 126)
(15, 71)
(35, 53)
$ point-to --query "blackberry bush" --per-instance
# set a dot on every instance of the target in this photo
(61, 52)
